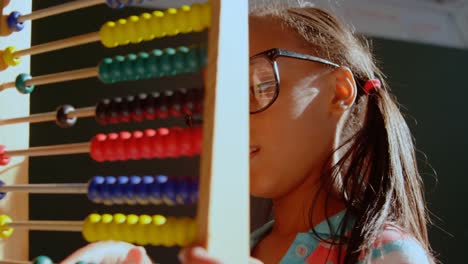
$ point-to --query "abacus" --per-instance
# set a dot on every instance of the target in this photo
(216, 116)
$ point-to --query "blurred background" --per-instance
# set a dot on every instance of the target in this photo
(420, 44)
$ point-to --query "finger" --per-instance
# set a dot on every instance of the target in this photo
(196, 255)
(135, 256)
(254, 261)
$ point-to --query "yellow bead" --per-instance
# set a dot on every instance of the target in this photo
(107, 35)
(9, 58)
(155, 24)
(206, 15)
(141, 230)
(115, 230)
(89, 227)
(168, 24)
(134, 26)
(183, 19)
(145, 29)
(5, 231)
(159, 219)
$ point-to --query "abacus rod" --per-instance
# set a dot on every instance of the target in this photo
(49, 116)
(7, 85)
(65, 149)
(35, 118)
(59, 44)
(58, 9)
(82, 112)
(72, 226)
(63, 76)
(6, 261)
(50, 188)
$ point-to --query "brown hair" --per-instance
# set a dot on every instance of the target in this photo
(376, 174)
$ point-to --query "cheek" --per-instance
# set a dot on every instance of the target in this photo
(292, 145)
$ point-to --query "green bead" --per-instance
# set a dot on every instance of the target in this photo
(203, 56)
(42, 260)
(191, 60)
(141, 65)
(115, 69)
(127, 67)
(178, 62)
(21, 86)
(153, 64)
(104, 70)
(164, 64)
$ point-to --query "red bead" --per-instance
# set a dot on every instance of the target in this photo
(3, 160)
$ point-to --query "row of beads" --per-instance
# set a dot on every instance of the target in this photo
(132, 67)
(151, 106)
(162, 143)
(145, 27)
(155, 64)
(142, 230)
(144, 190)
(16, 26)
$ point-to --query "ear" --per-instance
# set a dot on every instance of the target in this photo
(345, 89)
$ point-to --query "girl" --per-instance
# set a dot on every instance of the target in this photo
(329, 147)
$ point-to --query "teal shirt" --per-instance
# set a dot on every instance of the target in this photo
(392, 247)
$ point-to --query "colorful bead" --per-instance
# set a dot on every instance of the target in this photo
(176, 103)
(3, 160)
(5, 231)
(156, 64)
(115, 4)
(142, 230)
(143, 190)
(21, 86)
(42, 260)
(61, 118)
(9, 58)
(156, 25)
(3, 194)
(13, 23)
(148, 144)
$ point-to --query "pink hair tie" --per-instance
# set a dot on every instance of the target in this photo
(371, 85)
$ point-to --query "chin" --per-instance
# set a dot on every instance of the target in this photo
(263, 189)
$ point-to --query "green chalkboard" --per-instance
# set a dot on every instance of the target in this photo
(430, 83)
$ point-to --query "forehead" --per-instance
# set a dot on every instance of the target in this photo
(267, 32)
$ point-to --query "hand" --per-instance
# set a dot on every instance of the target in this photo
(109, 252)
(198, 255)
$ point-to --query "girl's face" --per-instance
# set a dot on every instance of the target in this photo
(290, 140)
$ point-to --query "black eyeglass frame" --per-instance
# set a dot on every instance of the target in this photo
(273, 54)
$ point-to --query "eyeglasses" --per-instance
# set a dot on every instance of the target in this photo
(264, 86)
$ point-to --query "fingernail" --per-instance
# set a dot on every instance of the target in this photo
(181, 256)
(198, 251)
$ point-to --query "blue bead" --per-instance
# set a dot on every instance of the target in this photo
(93, 189)
(120, 190)
(130, 190)
(21, 86)
(13, 23)
(117, 4)
(107, 190)
(183, 191)
(3, 194)
(156, 190)
(169, 190)
(142, 190)
(194, 190)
